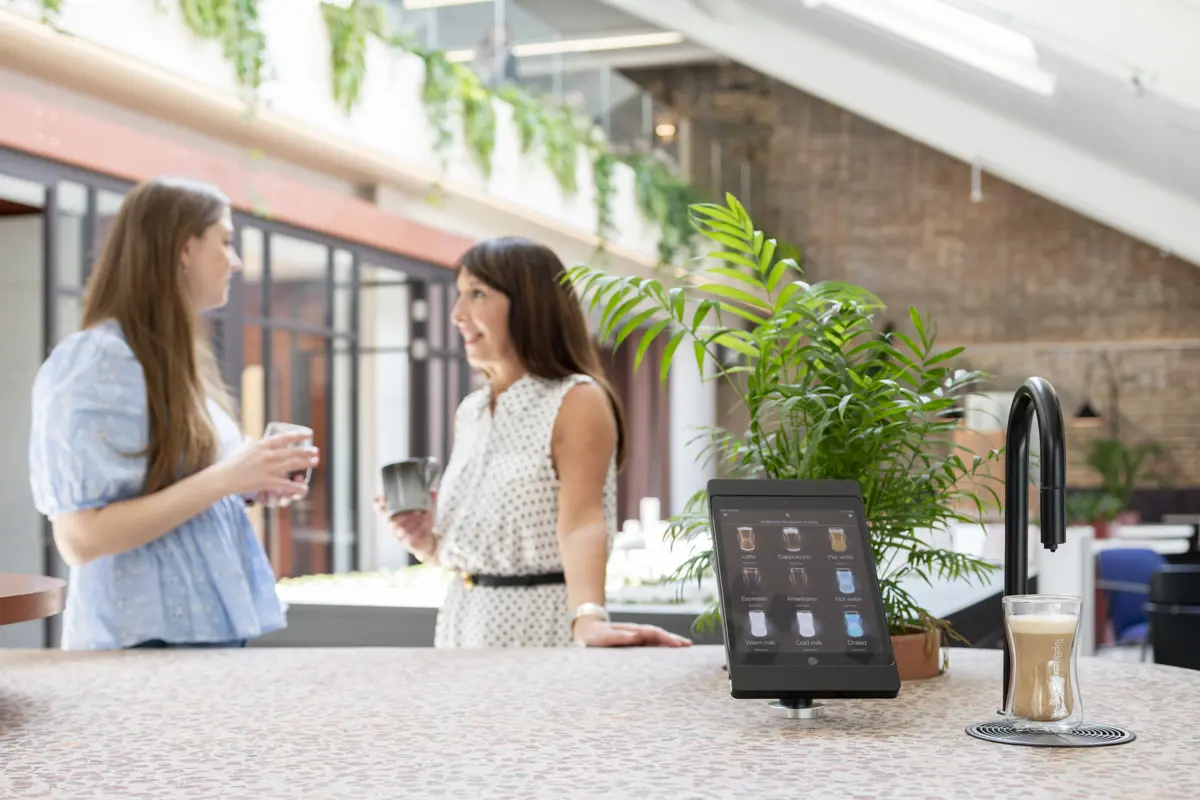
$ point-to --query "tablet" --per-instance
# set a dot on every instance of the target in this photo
(800, 599)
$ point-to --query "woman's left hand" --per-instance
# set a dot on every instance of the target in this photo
(595, 632)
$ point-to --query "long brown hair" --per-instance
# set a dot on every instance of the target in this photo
(138, 281)
(545, 319)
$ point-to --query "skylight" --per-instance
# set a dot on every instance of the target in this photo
(939, 26)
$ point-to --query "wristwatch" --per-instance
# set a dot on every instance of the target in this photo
(590, 610)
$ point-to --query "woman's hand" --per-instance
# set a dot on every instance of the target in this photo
(413, 529)
(595, 632)
(269, 468)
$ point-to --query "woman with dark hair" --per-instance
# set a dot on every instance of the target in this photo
(135, 455)
(527, 506)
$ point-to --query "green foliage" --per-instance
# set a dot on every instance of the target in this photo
(51, 10)
(1122, 467)
(828, 398)
(529, 116)
(451, 89)
(438, 95)
(349, 28)
(603, 164)
(478, 116)
(562, 136)
(665, 199)
(235, 24)
(557, 133)
(1084, 508)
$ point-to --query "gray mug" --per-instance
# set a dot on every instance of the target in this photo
(407, 484)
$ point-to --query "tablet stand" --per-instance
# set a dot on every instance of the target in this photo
(798, 708)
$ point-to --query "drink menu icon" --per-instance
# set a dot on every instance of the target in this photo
(854, 624)
(751, 578)
(798, 577)
(845, 581)
(805, 624)
(837, 539)
(758, 624)
(746, 538)
(791, 539)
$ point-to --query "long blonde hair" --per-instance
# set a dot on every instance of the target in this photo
(138, 281)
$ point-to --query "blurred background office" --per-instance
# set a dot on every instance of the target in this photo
(1025, 172)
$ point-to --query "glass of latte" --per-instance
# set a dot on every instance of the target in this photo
(1043, 690)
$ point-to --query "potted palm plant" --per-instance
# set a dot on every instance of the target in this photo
(1122, 467)
(828, 397)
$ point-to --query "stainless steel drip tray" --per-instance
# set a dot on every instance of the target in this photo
(1089, 734)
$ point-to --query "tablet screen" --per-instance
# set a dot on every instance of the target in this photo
(799, 581)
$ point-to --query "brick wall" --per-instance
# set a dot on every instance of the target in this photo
(1029, 287)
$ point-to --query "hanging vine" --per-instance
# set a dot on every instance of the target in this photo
(235, 25)
(479, 118)
(557, 132)
(604, 163)
(349, 27)
(51, 10)
(529, 116)
(562, 139)
(664, 198)
(437, 95)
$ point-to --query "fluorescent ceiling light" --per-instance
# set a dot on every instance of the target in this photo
(563, 46)
(417, 5)
(936, 25)
(599, 43)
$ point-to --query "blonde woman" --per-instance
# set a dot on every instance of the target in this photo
(134, 454)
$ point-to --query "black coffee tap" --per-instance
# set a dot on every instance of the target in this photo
(1036, 396)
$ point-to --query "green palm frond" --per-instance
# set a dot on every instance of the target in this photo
(828, 396)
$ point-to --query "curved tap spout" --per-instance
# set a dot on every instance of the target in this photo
(1035, 397)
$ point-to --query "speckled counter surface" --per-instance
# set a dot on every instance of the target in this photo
(387, 723)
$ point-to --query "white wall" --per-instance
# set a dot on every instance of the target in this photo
(383, 415)
(693, 404)
(389, 121)
(20, 357)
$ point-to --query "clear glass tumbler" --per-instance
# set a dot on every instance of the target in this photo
(1043, 688)
(275, 428)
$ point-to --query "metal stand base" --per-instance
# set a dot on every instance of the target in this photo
(1089, 734)
(797, 709)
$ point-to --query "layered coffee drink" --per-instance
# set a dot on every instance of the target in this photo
(1043, 691)
(1041, 666)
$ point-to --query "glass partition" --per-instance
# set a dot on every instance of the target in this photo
(508, 45)
(351, 341)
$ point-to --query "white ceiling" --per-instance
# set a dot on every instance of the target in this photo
(576, 19)
(1126, 157)
(1099, 112)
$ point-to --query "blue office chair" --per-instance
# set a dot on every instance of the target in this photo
(1125, 575)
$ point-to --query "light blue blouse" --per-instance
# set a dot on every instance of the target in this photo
(207, 580)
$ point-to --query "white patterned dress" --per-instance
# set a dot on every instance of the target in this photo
(497, 514)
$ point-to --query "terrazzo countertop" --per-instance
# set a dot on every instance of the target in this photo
(387, 723)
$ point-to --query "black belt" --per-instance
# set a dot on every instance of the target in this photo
(471, 580)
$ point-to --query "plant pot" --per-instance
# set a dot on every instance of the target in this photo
(918, 655)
